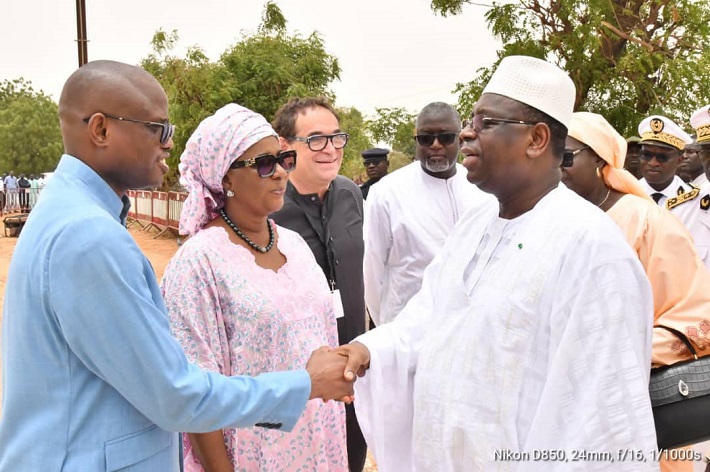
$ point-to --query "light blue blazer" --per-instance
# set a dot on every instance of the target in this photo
(92, 379)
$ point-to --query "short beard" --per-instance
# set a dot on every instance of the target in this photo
(436, 167)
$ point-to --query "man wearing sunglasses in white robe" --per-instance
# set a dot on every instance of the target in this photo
(410, 213)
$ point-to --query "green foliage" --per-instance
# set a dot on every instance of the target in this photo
(273, 20)
(353, 123)
(196, 89)
(628, 59)
(267, 69)
(399, 159)
(261, 72)
(394, 126)
(30, 138)
(447, 7)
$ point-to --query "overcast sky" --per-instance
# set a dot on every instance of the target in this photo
(393, 53)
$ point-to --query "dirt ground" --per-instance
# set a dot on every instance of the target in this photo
(158, 250)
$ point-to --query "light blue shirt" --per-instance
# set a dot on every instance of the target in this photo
(10, 181)
(92, 378)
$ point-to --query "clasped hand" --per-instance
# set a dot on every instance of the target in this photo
(334, 371)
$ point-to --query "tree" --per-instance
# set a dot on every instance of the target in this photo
(394, 126)
(627, 58)
(261, 72)
(195, 88)
(30, 138)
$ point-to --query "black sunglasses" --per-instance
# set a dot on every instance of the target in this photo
(166, 129)
(266, 163)
(568, 156)
(444, 139)
(660, 157)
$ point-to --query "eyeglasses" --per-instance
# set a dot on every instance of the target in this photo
(568, 156)
(444, 139)
(318, 142)
(266, 163)
(480, 122)
(661, 157)
(167, 129)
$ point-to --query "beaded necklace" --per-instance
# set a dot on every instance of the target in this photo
(251, 243)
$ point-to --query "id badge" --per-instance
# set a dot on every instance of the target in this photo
(337, 303)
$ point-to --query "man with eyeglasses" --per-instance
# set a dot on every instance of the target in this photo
(326, 210)
(531, 331)
(411, 212)
(92, 377)
(662, 146)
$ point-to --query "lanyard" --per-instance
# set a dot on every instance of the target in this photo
(322, 229)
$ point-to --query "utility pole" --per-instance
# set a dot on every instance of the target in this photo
(81, 32)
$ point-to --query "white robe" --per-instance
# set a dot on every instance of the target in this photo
(408, 216)
(694, 217)
(528, 335)
(700, 180)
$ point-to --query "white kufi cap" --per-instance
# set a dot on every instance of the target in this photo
(536, 83)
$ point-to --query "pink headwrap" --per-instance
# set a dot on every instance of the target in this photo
(217, 142)
(594, 131)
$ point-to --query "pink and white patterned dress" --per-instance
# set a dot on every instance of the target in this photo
(237, 318)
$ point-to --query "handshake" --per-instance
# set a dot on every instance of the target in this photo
(333, 371)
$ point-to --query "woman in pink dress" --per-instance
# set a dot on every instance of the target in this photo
(246, 296)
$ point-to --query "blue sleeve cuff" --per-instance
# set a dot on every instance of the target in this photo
(298, 385)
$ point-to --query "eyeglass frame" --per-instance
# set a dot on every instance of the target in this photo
(167, 129)
(279, 159)
(328, 137)
(436, 137)
(568, 156)
(485, 120)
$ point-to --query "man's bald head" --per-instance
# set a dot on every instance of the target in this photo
(106, 86)
(438, 110)
(113, 116)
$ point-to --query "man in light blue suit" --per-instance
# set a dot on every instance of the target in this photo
(92, 378)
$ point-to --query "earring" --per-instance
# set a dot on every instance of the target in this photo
(599, 174)
(230, 193)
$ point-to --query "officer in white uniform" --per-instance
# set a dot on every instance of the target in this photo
(662, 145)
(700, 121)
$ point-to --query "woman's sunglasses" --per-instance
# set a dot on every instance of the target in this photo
(266, 163)
(568, 156)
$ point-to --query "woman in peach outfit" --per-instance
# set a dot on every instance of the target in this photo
(593, 168)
